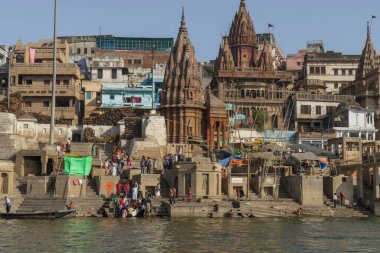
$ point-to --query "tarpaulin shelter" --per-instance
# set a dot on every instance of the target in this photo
(75, 165)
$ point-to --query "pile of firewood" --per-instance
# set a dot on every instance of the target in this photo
(15, 103)
(89, 136)
(110, 117)
(42, 119)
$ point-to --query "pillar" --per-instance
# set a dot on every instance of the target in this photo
(376, 183)
(359, 178)
(224, 134)
(218, 136)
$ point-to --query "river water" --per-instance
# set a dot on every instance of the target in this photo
(190, 235)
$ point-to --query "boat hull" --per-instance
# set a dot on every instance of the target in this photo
(38, 215)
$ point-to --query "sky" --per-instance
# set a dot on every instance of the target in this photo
(341, 24)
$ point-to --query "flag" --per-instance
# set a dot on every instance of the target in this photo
(373, 16)
(270, 25)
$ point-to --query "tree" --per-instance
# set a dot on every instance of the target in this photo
(259, 119)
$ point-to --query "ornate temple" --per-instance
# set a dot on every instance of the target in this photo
(192, 115)
(245, 78)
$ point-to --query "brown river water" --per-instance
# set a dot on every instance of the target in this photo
(190, 235)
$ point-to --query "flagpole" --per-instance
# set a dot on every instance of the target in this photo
(52, 116)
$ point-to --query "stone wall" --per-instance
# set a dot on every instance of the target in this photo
(339, 184)
(307, 190)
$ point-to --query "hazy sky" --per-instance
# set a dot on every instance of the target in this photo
(341, 24)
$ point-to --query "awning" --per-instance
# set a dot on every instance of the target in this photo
(313, 149)
(308, 156)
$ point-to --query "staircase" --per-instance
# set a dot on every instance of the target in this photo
(91, 203)
(46, 204)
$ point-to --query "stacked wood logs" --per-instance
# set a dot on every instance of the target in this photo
(89, 136)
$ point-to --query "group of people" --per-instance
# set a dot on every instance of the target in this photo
(119, 161)
(170, 159)
(64, 148)
(338, 199)
(146, 165)
(130, 201)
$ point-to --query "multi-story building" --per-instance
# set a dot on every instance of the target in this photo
(310, 115)
(351, 120)
(31, 74)
(245, 78)
(333, 69)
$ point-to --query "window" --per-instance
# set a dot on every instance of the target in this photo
(20, 79)
(78, 50)
(88, 94)
(343, 72)
(137, 61)
(330, 109)
(318, 70)
(350, 72)
(85, 50)
(114, 73)
(26, 126)
(129, 61)
(323, 70)
(298, 64)
(336, 72)
(318, 110)
(28, 104)
(46, 103)
(124, 71)
(47, 82)
(29, 82)
(100, 73)
(66, 82)
(92, 50)
(58, 82)
(305, 109)
(336, 85)
(112, 97)
(312, 70)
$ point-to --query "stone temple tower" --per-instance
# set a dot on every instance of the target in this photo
(183, 97)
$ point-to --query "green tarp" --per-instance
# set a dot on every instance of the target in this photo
(78, 165)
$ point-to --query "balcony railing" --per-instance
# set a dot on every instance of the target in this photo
(45, 69)
(321, 97)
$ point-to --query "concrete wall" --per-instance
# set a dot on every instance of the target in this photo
(106, 185)
(339, 184)
(65, 186)
(307, 190)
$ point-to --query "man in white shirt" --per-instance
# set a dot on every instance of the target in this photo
(8, 204)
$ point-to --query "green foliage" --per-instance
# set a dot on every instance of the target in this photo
(259, 119)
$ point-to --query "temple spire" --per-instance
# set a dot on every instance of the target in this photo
(183, 21)
(368, 31)
(242, 3)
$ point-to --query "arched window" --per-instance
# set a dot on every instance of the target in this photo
(263, 94)
(274, 121)
(369, 118)
(247, 93)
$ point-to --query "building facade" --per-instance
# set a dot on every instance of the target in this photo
(31, 68)
(333, 69)
(245, 78)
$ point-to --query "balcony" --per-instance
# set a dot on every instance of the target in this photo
(68, 69)
(321, 97)
(60, 112)
(48, 54)
(38, 90)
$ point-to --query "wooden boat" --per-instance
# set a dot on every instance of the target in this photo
(38, 215)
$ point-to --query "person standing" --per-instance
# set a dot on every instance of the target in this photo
(189, 194)
(134, 191)
(335, 199)
(158, 190)
(8, 204)
(142, 165)
(148, 164)
(342, 198)
(171, 195)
